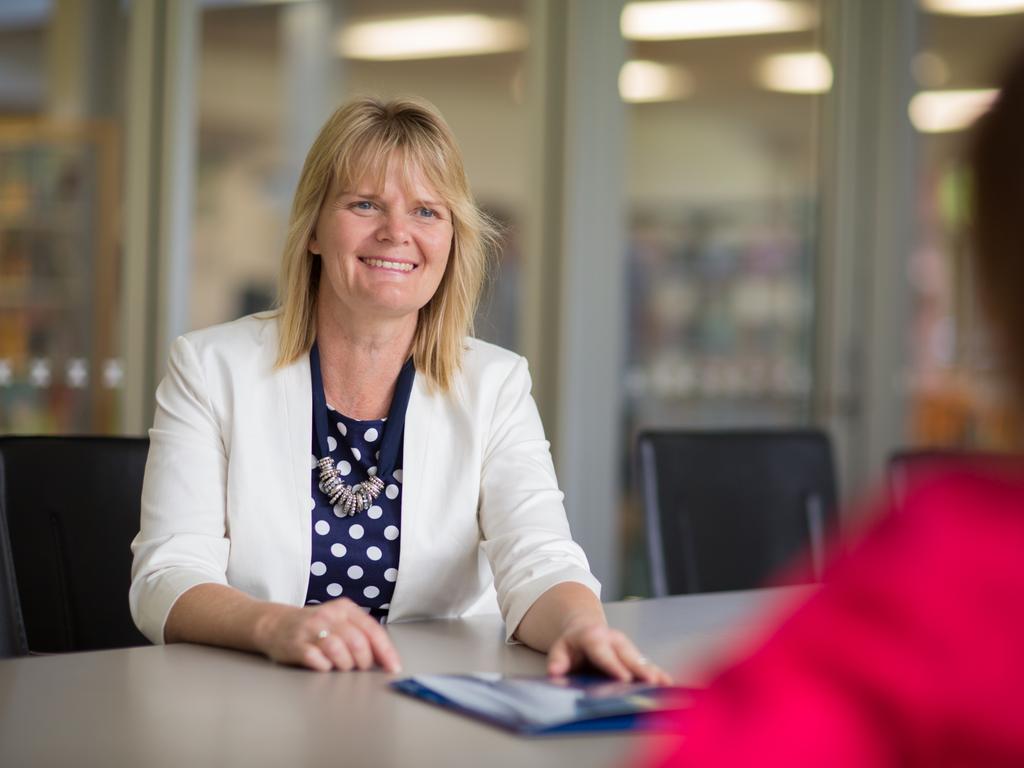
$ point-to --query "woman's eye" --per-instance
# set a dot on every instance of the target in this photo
(363, 205)
(426, 213)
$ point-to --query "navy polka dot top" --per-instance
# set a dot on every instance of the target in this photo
(356, 557)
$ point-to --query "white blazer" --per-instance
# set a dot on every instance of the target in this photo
(226, 497)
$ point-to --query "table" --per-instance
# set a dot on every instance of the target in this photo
(189, 705)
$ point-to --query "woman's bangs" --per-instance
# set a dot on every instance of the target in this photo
(431, 162)
(368, 160)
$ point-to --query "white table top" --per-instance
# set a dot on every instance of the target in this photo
(188, 705)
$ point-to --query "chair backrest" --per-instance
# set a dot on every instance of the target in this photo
(12, 628)
(72, 509)
(729, 510)
(911, 465)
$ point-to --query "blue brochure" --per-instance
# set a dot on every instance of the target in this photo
(537, 706)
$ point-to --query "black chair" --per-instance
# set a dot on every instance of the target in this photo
(729, 510)
(12, 628)
(909, 466)
(72, 508)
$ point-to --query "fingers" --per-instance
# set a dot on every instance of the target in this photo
(336, 649)
(607, 649)
(640, 666)
(592, 643)
(357, 646)
(314, 658)
(356, 640)
(381, 648)
(559, 659)
(603, 655)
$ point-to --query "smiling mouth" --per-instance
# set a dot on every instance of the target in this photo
(398, 266)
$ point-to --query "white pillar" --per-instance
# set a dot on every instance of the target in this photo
(312, 76)
(160, 150)
(869, 164)
(575, 301)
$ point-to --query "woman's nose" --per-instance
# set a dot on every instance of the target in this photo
(392, 229)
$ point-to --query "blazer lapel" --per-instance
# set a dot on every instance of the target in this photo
(294, 414)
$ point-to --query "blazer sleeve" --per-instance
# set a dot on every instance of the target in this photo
(524, 529)
(182, 539)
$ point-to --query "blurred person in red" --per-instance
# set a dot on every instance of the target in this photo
(912, 653)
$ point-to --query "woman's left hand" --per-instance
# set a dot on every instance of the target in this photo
(605, 648)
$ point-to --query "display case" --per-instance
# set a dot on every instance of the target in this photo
(60, 371)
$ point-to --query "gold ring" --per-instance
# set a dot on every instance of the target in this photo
(323, 634)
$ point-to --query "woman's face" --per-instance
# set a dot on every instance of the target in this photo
(383, 251)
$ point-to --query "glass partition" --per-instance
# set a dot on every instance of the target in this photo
(723, 207)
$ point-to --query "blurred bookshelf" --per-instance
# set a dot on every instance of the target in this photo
(60, 371)
(721, 302)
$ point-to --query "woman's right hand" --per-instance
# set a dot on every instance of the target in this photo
(335, 635)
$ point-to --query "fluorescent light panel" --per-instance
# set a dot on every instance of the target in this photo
(945, 111)
(806, 72)
(647, 81)
(689, 19)
(430, 37)
(973, 7)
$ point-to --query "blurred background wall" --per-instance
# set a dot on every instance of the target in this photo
(717, 213)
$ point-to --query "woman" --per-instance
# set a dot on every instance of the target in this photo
(911, 654)
(429, 467)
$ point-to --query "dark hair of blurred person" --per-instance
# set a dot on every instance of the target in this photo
(997, 176)
(912, 653)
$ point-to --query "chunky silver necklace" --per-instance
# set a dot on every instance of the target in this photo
(347, 499)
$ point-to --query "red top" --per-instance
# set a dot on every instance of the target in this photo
(911, 655)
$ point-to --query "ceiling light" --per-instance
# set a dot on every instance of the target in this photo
(646, 81)
(687, 19)
(808, 72)
(942, 111)
(973, 7)
(430, 37)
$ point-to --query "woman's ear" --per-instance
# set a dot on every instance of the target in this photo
(313, 245)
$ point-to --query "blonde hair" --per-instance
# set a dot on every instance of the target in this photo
(360, 139)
